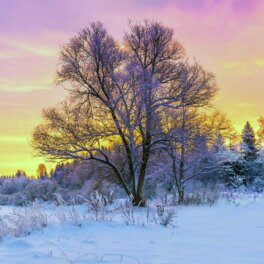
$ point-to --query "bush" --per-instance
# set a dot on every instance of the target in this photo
(41, 189)
(22, 221)
(13, 185)
(258, 184)
(4, 199)
(201, 197)
(18, 199)
(164, 216)
(97, 205)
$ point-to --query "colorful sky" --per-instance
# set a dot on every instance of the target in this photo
(226, 36)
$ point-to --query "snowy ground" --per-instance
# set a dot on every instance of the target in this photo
(226, 233)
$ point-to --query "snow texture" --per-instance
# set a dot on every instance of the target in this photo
(230, 232)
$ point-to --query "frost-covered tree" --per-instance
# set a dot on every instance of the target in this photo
(248, 145)
(243, 170)
(119, 94)
(193, 134)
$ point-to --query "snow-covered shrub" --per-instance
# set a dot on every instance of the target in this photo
(258, 184)
(66, 213)
(4, 199)
(133, 215)
(60, 213)
(13, 185)
(164, 216)
(36, 215)
(74, 216)
(18, 199)
(97, 205)
(127, 210)
(23, 220)
(201, 197)
(40, 189)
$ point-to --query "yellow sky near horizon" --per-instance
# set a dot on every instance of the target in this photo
(225, 36)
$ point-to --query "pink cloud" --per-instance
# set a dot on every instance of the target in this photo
(226, 36)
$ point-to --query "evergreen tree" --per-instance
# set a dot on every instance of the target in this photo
(20, 173)
(248, 144)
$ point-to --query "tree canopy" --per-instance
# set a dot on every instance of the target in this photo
(119, 94)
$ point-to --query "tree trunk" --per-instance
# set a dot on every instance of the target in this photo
(181, 195)
(138, 200)
(182, 159)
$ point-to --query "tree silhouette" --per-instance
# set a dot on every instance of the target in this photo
(248, 144)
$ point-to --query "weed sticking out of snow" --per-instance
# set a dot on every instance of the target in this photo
(135, 234)
(92, 258)
(164, 216)
(97, 206)
(23, 220)
(127, 211)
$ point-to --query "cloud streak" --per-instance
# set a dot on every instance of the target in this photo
(226, 36)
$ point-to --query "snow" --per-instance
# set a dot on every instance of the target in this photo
(225, 233)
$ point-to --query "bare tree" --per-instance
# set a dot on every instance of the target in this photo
(42, 171)
(118, 96)
(193, 134)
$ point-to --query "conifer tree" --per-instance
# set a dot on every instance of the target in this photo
(248, 144)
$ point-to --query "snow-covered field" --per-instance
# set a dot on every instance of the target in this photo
(225, 233)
